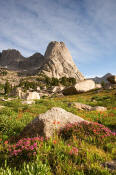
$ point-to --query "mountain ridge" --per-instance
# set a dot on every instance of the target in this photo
(56, 62)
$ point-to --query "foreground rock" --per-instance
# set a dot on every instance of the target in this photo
(85, 107)
(82, 86)
(47, 123)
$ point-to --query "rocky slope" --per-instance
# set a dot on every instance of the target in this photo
(57, 62)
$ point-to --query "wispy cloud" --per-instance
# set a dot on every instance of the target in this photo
(86, 26)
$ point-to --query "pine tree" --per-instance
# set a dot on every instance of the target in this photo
(7, 88)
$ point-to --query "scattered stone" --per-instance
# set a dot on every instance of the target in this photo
(8, 99)
(82, 106)
(38, 88)
(99, 109)
(2, 107)
(111, 165)
(28, 102)
(47, 123)
(56, 89)
(32, 96)
(85, 107)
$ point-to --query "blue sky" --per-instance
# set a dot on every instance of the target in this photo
(88, 28)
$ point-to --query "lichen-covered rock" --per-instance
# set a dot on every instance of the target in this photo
(47, 123)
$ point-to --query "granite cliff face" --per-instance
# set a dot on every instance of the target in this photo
(57, 62)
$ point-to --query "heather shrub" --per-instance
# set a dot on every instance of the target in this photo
(90, 132)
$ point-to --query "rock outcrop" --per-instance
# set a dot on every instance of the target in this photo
(46, 124)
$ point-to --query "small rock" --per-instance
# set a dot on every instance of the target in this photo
(32, 96)
(29, 102)
(111, 165)
(82, 106)
(99, 109)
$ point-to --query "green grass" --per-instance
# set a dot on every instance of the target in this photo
(57, 155)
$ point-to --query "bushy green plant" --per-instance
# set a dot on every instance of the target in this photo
(67, 81)
(7, 88)
(27, 85)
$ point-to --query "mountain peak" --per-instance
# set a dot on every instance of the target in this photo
(60, 62)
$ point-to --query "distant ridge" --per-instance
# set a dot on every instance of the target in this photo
(101, 79)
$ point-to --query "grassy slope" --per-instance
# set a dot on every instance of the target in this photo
(53, 158)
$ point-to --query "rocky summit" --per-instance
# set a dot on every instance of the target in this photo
(57, 62)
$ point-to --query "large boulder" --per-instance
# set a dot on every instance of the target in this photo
(112, 79)
(82, 86)
(47, 123)
(85, 86)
